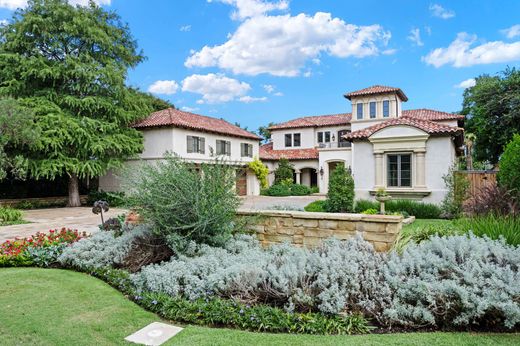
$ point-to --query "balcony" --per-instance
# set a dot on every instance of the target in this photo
(334, 145)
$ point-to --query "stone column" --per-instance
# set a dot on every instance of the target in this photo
(420, 166)
(379, 169)
(298, 175)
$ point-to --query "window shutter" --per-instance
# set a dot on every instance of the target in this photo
(202, 145)
(242, 154)
(189, 145)
(228, 148)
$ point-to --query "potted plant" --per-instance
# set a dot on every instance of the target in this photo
(382, 196)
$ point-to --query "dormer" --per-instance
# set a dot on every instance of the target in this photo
(376, 103)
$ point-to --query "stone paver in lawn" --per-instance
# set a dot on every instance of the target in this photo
(268, 202)
(42, 220)
(156, 333)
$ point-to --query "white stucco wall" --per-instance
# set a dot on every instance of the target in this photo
(440, 156)
(307, 138)
(363, 169)
(331, 155)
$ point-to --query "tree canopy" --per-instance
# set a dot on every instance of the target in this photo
(69, 64)
(492, 109)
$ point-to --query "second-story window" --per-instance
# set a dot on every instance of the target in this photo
(324, 137)
(386, 109)
(372, 110)
(297, 140)
(196, 144)
(246, 150)
(360, 111)
(223, 147)
(288, 139)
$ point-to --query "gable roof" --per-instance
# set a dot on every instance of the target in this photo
(315, 121)
(268, 154)
(427, 126)
(376, 90)
(177, 118)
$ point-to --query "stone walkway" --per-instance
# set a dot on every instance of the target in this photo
(43, 220)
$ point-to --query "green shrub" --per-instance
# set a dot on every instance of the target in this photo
(185, 202)
(494, 227)
(283, 172)
(9, 215)
(279, 190)
(315, 189)
(457, 186)
(364, 204)
(509, 174)
(403, 206)
(371, 211)
(340, 198)
(114, 199)
(300, 190)
(261, 171)
(316, 206)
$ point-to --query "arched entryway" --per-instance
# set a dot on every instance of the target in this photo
(309, 176)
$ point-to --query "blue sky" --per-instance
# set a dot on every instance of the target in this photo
(255, 61)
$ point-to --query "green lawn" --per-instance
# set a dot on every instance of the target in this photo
(420, 223)
(58, 307)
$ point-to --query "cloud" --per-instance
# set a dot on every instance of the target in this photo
(468, 83)
(215, 88)
(268, 88)
(14, 4)
(278, 93)
(190, 109)
(440, 12)
(3, 22)
(389, 51)
(512, 32)
(250, 99)
(282, 45)
(185, 28)
(253, 8)
(460, 54)
(165, 87)
(415, 37)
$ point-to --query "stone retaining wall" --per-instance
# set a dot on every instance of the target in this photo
(309, 229)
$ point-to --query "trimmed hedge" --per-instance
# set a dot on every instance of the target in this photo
(418, 209)
(281, 190)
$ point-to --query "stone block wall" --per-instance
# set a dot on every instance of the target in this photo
(309, 229)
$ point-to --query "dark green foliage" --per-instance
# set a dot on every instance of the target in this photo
(114, 199)
(340, 198)
(494, 227)
(8, 214)
(300, 190)
(457, 186)
(279, 190)
(315, 189)
(418, 209)
(69, 64)
(316, 206)
(284, 172)
(492, 109)
(185, 202)
(509, 174)
(39, 204)
(264, 132)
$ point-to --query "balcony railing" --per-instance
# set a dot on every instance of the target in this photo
(334, 145)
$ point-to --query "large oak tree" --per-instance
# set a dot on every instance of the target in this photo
(69, 64)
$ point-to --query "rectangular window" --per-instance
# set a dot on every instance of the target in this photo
(246, 150)
(320, 137)
(297, 140)
(372, 110)
(223, 147)
(196, 144)
(399, 170)
(327, 137)
(386, 109)
(288, 140)
(360, 111)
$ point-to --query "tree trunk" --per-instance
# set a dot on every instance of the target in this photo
(74, 200)
(469, 159)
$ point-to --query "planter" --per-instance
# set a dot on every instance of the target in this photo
(382, 200)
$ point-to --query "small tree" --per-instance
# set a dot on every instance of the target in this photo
(284, 172)
(509, 174)
(340, 198)
(260, 170)
(457, 186)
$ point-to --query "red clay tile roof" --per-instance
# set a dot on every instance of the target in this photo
(268, 154)
(430, 114)
(315, 121)
(178, 118)
(375, 90)
(427, 126)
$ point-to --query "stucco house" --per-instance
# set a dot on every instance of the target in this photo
(407, 152)
(198, 139)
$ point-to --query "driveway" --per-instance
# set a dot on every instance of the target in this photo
(43, 220)
(268, 202)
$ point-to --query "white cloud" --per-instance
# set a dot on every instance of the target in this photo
(215, 88)
(190, 109)
(441, 12)
(250, 99)
(278, 93)
(185, 28)
(460, 54)
(512, 32)
(252, 8)
(14, 4)
(269, 88)
(165, 87)
(389, 51)
(468, 83)
(415, 37)
(428, 30)
(282, 45)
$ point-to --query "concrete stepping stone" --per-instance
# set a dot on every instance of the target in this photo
(155, 333)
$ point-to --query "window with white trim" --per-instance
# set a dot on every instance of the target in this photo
(223, 147)
(246, 150)
(196, 144)
(359, 111)
(324, 137)
(372, 110)
(386, 109)
(288, 139)
(399, 170)
(297, 139)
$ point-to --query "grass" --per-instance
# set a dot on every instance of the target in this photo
(59, 307)
(11, 223)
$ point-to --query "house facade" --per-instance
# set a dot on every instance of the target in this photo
(407, 152)
(195, 138)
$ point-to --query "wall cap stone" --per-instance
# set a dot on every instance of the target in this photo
(322, 216)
